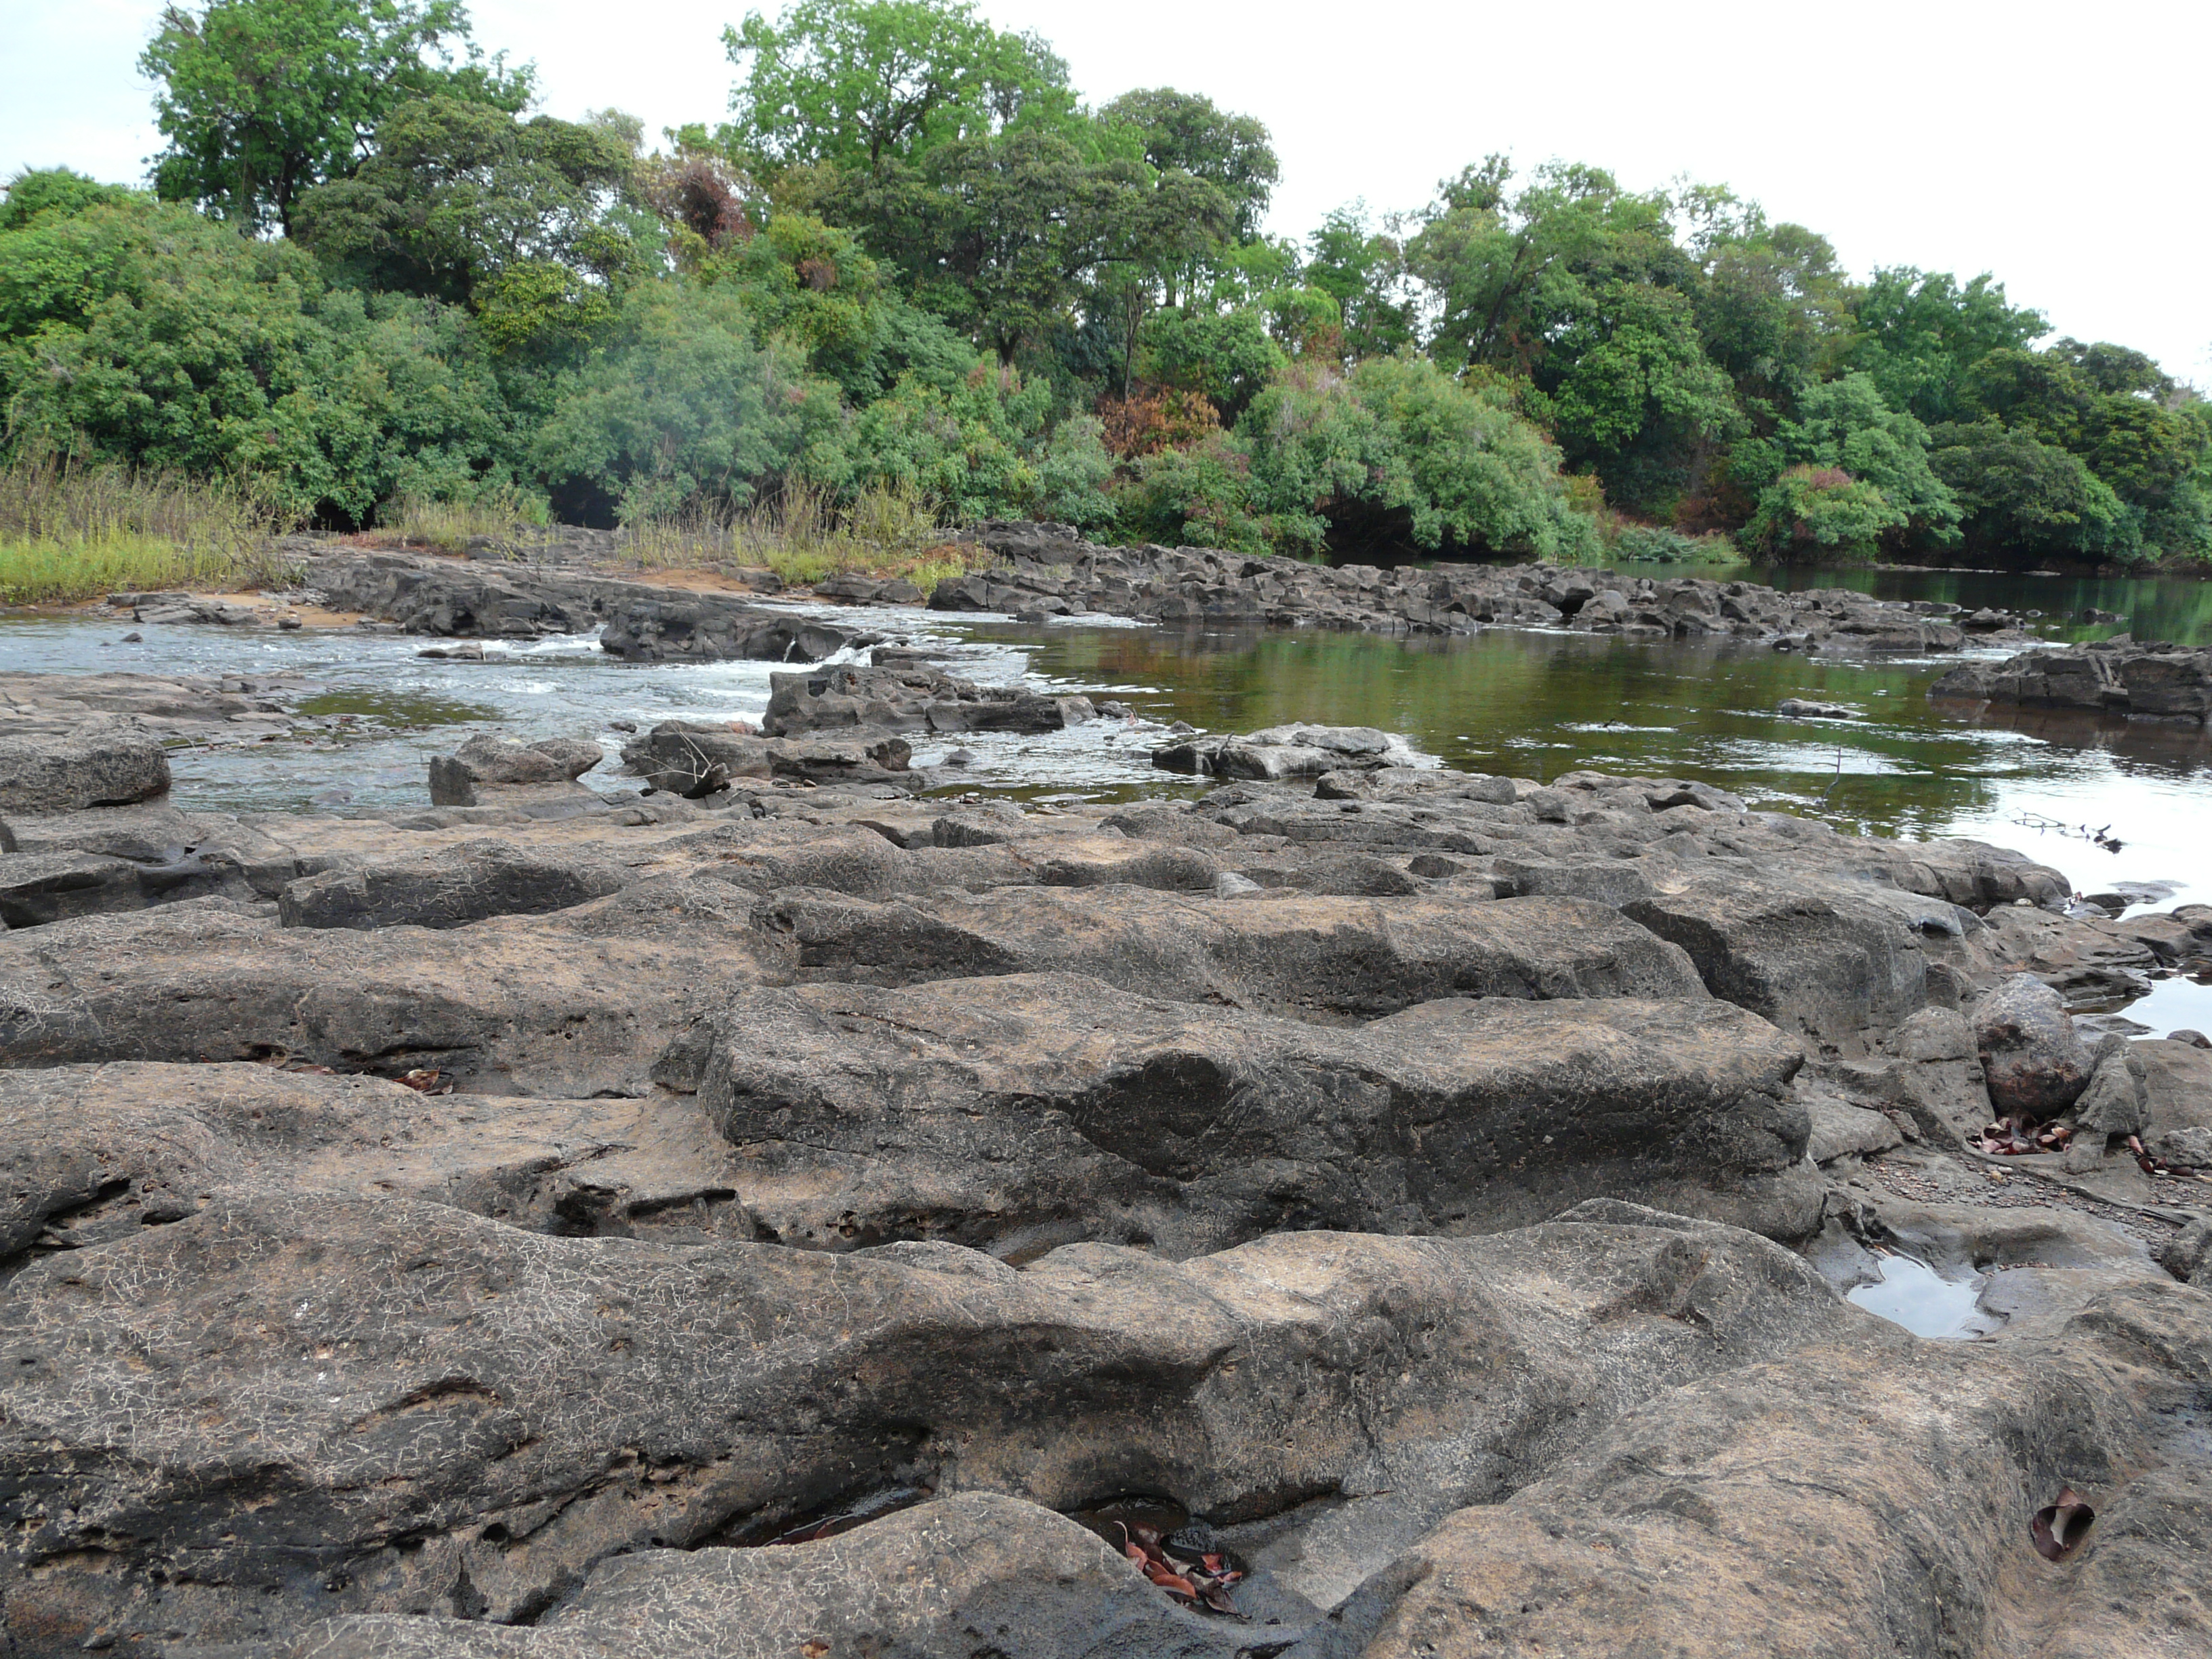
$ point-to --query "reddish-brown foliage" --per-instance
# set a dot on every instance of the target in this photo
(1154, 420)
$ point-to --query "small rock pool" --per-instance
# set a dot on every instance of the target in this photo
(1912, 1294)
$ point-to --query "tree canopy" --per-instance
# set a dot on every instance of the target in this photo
(913, 252)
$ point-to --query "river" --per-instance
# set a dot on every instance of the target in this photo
(1528, 703)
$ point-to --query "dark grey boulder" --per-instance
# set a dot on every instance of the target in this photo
(2117, 1101)
(101, 762)
(41, 887)
(714, 627)
(448, 888)
(1304, 957)
(1815, 959)
(2037, 1064)
(90, 1154)
(1693, 1515)
(1283, 752)
(566, 1004)
(698, 760)
(485, 764)
(909, 698)
(2118, 676)
(1010, 1112)
(967, 1577)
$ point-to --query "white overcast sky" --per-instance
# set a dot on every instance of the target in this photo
(2063, 147)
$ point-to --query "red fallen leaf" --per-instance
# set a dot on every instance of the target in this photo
(1173, 1583)
(424, 1081)
(2058, 1527)
(1136, 1555)
(1213, 1563)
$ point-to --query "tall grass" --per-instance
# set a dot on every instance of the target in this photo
(806, 535)
(70, 530)
(504, 515)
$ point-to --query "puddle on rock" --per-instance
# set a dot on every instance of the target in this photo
(1912, 1294)
(2181, 1003)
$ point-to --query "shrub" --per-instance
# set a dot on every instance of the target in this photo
(1820, 511)
(1397, 448)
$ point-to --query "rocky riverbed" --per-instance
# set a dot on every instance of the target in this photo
(1039, 572)
(776, 1209)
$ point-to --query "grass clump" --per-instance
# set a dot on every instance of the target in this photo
(504, 516)
(73, 532)
(806, 535)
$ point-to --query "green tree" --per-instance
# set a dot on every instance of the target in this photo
(1920, 333)
(986, 447)
(1364, 270)
(1228, 355)
(140, 331)
(54, 189)
(454, 194)
(2024, 498)
(812, 283)
(1820, 513)
(853, 83)
(1000, 235)
(684, 406)
(1397, 453)
(262, 100)
(1182, 132)
(1843, 425)
(1582, 287)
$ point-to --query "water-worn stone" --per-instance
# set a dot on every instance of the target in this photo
(697, 760)
(88, 1154)
(41, 887)
(1010, 1112)
(2117, 1101)
(447, 888)
(909, 698)
(2036, 1063)
(1306, 957)
(486, 764)
(967, 1576)
(2117, 676)
(1818, 960)
(101, 762)
(568, 1005)
(683, 627)
(1283, 752)
(445, 1414)
(1690, 1527)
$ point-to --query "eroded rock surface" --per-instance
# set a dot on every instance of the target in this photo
(511, 1228)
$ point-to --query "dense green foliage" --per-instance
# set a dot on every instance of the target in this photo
(914, 260)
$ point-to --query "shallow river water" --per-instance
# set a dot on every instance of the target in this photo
(1528, 703)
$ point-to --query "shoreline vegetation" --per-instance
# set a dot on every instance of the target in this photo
(915, 280)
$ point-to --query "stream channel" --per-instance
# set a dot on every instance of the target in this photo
(1520, 702)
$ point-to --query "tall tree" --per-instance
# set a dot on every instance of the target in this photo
(999, 234)
(1920, 332)
(861, 82)
(1182, 132)
(262, 100)
(454, 193)
(1364, 270)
